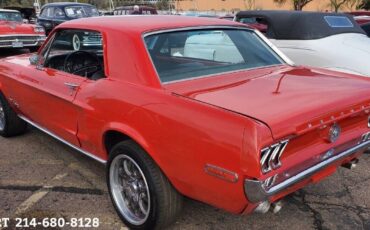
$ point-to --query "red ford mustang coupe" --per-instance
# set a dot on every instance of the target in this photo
(183, 106)
(16, 34)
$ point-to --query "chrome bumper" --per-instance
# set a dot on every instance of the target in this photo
(7, 41)
(256, 192)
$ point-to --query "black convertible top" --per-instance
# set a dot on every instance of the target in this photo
(302, 25)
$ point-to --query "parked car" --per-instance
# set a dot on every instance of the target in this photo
(28, 14)
(207, 16)
(129, 10)
(229, 17)
(16, 34)
(366, 28)
(360, 13)
(257, 23)
(362, 19)
(328, 40)
(53, 14)
(238, 131)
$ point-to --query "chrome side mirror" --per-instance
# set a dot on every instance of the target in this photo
(38, 61)
(34, 59)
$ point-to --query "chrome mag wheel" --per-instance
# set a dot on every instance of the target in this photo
(2, 117)
(129, 189)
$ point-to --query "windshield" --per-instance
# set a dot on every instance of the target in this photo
(11, 16)
(81, 11)
(188, 54)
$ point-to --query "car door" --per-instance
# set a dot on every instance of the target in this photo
(44, 19)
(49, 91)
(58, 16)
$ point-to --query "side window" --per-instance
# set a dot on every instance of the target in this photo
(50, 12)
(258, 23)
(77, 52)
(58, 13)
(44, 12)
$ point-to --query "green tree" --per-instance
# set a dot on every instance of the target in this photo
(337, 4)
(164, 5)
(250, 4)
(353, 4)
(297, 4)
(365, 5)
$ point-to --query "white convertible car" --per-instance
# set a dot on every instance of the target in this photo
(327, 40)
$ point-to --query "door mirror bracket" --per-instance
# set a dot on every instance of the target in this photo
(37, 61)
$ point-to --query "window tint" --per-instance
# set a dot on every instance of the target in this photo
(250, 20)
(188, 54)
(338, 21)
(58, 13)
(11, 16)
(77, 52)
(81, 11)
(50, 12)
(44, 12)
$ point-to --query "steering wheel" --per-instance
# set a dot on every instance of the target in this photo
(82, 63)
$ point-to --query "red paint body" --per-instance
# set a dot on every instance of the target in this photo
(10, 28)
(362, 20)
(360, 13)
(222, 120)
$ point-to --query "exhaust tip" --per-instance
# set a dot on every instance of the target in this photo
(367, 151)
(276, 207)
(263, 207)
(352, 164)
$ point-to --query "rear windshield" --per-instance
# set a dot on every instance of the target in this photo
(189, 54)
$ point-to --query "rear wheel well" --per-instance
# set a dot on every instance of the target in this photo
(112, 138)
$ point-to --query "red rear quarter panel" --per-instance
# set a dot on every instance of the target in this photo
(181, 135)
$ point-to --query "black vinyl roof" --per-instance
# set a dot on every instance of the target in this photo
(300, 25)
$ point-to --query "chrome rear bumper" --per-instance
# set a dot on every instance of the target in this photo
(256, 192)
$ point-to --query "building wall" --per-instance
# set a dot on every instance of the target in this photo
(235, 5)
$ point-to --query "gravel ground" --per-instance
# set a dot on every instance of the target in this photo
(40, 177)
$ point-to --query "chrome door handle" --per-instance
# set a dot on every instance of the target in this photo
(72, 86)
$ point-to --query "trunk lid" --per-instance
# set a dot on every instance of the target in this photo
(289, 100)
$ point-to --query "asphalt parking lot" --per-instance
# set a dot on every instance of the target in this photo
(40, 177)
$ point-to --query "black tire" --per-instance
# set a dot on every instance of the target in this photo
(165, 201)
(33, 49)
(13, 125)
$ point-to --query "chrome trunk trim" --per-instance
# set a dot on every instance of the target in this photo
(256, 192)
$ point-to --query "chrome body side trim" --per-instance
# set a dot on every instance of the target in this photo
(62, 140)
(256, 192)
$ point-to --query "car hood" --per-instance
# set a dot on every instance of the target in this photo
(286, 99)
(16, 28)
